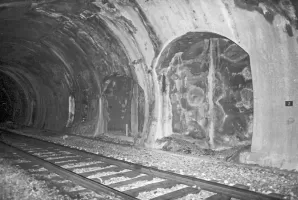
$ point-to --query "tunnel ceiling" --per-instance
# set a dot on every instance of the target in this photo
(54, 33)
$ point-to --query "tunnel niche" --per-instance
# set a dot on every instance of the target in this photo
(210, 89)
(122, 105)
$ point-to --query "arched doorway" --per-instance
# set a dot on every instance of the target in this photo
(210, 88)
(123, 105)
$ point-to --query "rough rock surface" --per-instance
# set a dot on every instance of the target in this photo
(210, 85)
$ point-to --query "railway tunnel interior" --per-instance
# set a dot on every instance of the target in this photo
(64, 71)
(95, 67)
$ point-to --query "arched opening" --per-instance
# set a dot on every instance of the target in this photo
(210, 89)
(122, 105)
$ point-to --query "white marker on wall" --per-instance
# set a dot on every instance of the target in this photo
(71, 111)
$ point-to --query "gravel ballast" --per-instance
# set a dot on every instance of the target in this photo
(21, 179)
(264, 180)
(18, 184)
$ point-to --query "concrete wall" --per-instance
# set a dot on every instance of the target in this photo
(272, 50)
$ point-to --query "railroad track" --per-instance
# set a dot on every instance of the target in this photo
(97, 172)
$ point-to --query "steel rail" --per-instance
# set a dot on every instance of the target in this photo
(75, 178)
(218, 188)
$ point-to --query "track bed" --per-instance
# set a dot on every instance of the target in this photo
(117, 177)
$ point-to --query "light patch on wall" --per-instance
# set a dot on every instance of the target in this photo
(71, 111)
(31, 112)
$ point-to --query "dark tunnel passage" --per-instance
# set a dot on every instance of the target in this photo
(54, 67)
(18, 97)
(10, 95)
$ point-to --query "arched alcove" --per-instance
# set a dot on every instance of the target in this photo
(122, 105)
(210, 88)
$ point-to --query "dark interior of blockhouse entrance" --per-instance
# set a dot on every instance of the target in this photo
(211, 88)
